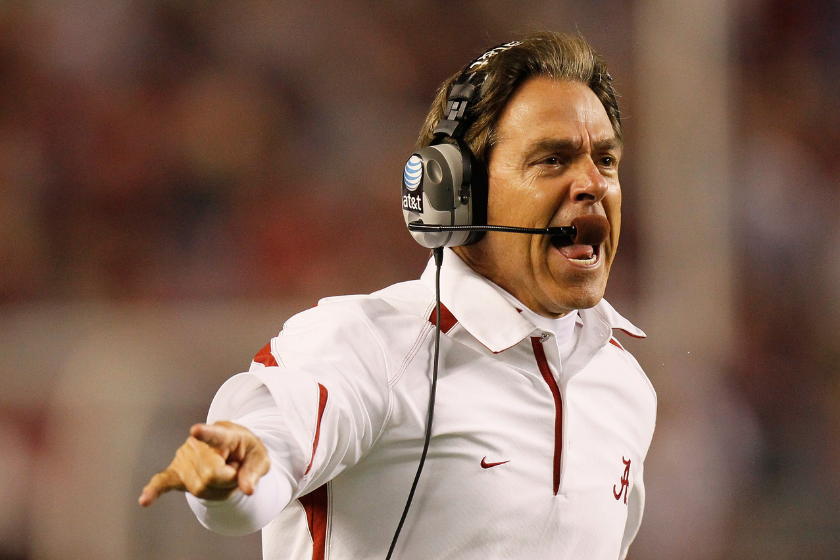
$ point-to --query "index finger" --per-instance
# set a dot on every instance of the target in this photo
(160, 484)
(217, 437)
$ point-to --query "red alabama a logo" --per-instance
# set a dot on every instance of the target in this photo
(625, 481)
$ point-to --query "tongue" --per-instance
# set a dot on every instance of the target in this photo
(577, 251)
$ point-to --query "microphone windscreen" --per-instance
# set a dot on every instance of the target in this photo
(591, 229)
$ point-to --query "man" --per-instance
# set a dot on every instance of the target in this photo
(542, 420)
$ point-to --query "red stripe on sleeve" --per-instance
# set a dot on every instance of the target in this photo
(322, 404)
(316, 505)
(265, 357)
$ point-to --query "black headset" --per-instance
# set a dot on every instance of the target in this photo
(444, 184)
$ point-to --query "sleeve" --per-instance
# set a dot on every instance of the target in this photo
(317, 396)
(635, 509)
(241, 514)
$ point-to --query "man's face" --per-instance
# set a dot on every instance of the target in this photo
(556, 158)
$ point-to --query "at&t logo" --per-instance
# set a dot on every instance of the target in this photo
(412, 191)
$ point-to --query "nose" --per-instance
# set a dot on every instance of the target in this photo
(588, 185)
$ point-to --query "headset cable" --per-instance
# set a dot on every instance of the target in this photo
(438, 253)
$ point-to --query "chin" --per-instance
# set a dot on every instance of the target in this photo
(578, 298)
(585, 303)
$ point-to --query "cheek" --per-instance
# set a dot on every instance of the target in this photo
(510, 197)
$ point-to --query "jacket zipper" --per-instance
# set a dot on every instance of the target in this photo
(542, 364)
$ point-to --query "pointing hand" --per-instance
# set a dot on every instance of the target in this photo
(214, 461)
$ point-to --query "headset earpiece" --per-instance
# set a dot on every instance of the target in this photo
(444, 183)
(434, 193)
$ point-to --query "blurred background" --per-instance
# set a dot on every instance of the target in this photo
(179, 177)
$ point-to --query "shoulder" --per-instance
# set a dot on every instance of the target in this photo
(389, 318)
(402, 299)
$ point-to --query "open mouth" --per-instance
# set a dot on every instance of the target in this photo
(583, 255)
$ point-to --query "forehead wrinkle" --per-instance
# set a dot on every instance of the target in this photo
(582, 139)
(588, 122)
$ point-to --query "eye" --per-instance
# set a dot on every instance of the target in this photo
(609, 161)
(552, 161)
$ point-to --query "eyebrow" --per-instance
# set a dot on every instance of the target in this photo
(609, 144)
(567, 145)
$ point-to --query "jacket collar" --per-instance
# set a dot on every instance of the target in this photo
(480, 309)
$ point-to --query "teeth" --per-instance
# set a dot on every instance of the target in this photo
(591, 260)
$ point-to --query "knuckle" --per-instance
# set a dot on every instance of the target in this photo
(205, 472)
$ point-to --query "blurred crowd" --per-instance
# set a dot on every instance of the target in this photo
(787, 224)
(157, 152)
(171, 149)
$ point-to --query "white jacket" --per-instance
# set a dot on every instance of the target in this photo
(528, 460)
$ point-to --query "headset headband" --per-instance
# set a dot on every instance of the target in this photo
(463, 92)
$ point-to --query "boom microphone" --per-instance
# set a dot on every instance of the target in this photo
(592, 229)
